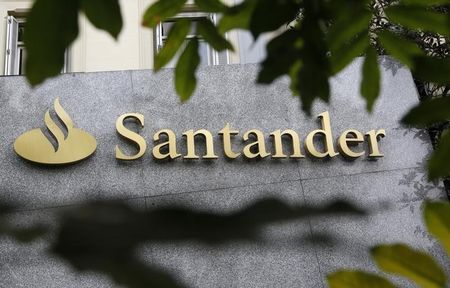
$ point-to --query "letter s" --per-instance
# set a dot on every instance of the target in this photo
(130, 135)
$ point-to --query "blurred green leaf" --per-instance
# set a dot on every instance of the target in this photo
(185, 80)
(238, 17)
(312, 76)
(104, 14)
(345, 54)
(357, 279)
(432, 69)
(437, 219)
(404, 261)
(429, 112)
(162, 10)
(52, 25)
(296, 66)
(416, 17)
(347, 26)
(438, 166)
(282, 52)
(400, 48)
(370, 85)
(281, 12)
(211, 6)
(210, 34)
(175, 39)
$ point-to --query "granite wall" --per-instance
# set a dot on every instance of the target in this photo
(392, 188)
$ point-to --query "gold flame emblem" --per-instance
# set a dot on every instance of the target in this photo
(73, 147)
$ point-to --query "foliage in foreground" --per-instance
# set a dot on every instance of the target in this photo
(326, 37)
(402, 260)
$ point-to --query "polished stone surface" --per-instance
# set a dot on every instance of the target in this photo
(392, 188)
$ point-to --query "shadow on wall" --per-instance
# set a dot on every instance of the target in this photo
(102, 237)
(422, 188)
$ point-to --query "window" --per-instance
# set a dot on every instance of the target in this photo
(208, 55)
(15, 53)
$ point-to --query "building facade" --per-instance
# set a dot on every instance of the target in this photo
(280, 254)
(220, 173)
(135, 48)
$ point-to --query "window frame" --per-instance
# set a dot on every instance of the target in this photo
(15, 49)
(191, 13)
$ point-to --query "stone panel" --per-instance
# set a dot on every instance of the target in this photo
(31, 265)
(94, 101)
(225, 94)
(402, 148)
(393, 199)
(279, 257)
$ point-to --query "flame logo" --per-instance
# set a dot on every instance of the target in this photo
(36, 147)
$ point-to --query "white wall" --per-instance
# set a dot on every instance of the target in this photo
(95, 50)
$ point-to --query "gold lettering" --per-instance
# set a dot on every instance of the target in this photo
(260, 143)
(190, 135)
(226, 133)
(130, 135)
(171, 144)
(373, 142)
(326, 132)
(344, 142)
(277, 137)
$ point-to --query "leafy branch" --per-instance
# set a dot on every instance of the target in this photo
(327, 36)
